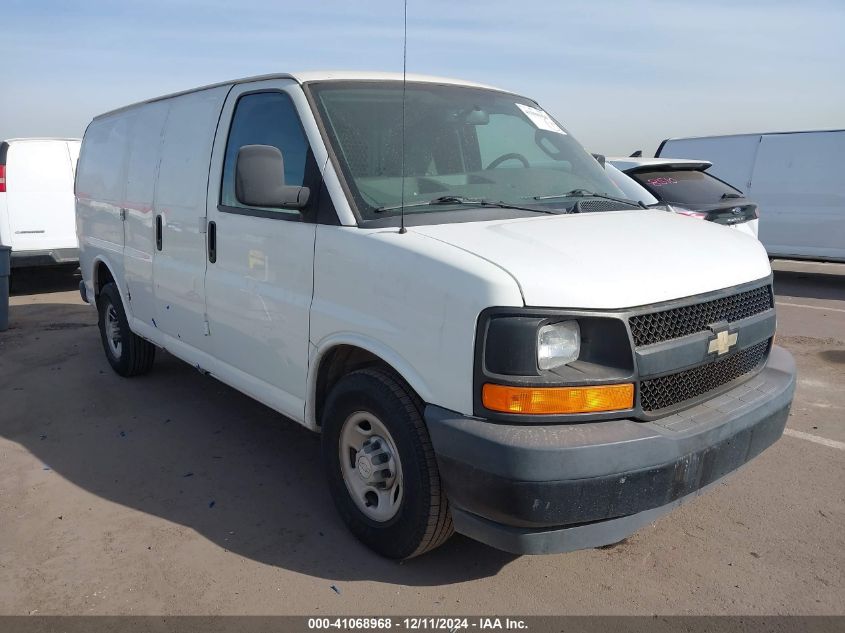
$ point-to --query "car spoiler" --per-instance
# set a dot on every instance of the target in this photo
(695, 165)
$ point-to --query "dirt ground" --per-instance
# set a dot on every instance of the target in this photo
(174, 494)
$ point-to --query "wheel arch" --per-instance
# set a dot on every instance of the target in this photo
(101, 275)
(103, 272)
(338, 356)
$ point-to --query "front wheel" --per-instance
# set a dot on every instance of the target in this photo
(380, 466)
(127, 353)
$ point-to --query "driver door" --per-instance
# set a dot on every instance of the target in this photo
(259, 281)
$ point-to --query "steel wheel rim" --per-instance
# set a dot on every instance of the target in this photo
(370, 465)
(113, 331)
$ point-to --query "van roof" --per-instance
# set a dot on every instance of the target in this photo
(687, 138)
(40, 138)
(310, 76)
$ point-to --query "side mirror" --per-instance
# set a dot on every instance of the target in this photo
(600, 158)
(260, 180)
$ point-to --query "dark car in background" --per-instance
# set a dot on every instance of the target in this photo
(685, 187)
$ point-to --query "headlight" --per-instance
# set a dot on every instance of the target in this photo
(558, 344)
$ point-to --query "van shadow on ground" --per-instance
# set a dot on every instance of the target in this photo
(184, 447)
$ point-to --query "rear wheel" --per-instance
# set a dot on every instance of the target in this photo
(127, 353)
(381, 467)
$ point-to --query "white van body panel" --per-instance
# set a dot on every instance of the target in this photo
(100, 187)
(37, 210)
(578, 261)
(180, 200)
(144, 156)
(208, 363)
(376, 288)
(798, 183)
(795, 178)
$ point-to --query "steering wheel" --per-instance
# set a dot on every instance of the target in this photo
(509, 156)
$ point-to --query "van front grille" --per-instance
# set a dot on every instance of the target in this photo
(667, 391)
(676, 322)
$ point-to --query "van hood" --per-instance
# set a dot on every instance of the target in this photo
(609, 260)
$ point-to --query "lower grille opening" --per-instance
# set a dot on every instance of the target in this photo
(667, 391)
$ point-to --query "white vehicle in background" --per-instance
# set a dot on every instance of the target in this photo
(37, 210)
(795, 177)
(687, 187)
(441, 281)
(630, 188)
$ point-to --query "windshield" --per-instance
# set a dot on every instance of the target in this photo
(685, 187)
(460, 142)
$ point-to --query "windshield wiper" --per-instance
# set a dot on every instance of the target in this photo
(476, 202)
(584, 193)
(725, 196)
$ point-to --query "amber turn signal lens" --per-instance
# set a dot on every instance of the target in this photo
(557, 400)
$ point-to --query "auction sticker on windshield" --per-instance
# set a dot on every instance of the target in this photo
(540, 119)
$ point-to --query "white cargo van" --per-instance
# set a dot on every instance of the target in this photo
(795, 178)
(451, 291)
(37, 217)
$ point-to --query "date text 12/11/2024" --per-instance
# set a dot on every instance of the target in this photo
(416, 623)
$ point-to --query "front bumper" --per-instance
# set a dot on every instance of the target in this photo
(556, 488)
(47, 257)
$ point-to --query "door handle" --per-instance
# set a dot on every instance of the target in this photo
(212, 242)
(158, 232)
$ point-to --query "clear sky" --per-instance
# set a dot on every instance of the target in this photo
(621, 75)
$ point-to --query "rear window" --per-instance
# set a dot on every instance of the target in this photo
(684, 187)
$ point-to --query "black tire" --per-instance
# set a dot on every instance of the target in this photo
(136, 355)
(423, 521)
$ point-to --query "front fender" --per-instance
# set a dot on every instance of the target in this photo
(384, 352)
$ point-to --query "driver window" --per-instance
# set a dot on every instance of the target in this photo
(265, 118)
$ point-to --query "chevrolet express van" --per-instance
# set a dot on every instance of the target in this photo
(442, 282)
(37, 218)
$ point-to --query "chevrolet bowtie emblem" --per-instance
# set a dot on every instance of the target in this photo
(722, 343)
